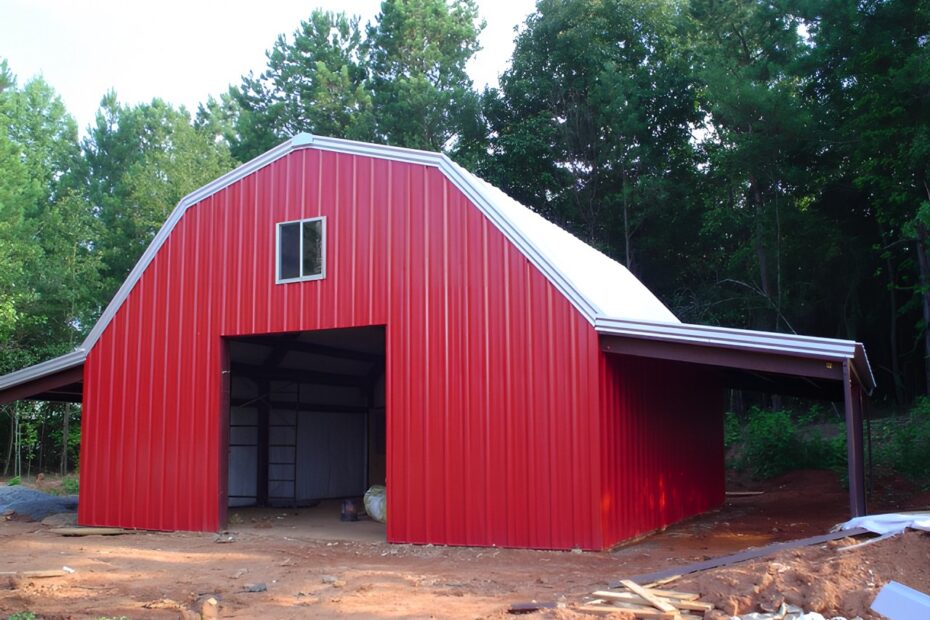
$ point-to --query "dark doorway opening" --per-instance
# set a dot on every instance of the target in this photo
(306, 417)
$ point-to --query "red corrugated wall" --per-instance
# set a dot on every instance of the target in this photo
(662, 450)
(493, 410)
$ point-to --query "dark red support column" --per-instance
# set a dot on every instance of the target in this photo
(853, 408)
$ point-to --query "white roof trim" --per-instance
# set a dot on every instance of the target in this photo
(499, 208)
(726, 337)
(43, 369)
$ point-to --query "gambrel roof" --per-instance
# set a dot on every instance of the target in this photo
(600, 288)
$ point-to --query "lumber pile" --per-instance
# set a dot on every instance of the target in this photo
(647, 601)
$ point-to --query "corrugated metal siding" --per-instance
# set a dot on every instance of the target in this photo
(662, 455)
(492, 397)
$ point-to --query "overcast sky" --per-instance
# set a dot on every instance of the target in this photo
(183, 50)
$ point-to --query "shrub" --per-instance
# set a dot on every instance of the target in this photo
(771, 443)
(732, 431)
(70, 485)
(906, 446)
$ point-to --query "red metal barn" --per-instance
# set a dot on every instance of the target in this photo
(334, 314)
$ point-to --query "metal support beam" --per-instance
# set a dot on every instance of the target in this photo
(46, 385)
(853, 408)
(760, 361)
(263, 411)
(252, 371)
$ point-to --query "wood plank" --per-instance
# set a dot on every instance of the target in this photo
(642, 612)
(35, 574)
(657, 602)
(690, 605)
(89, 531)
(661, 582)
(526, 608)
(685, 596)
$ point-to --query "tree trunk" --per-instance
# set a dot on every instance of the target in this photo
(627, 235)
(42, 455)
(9, 446)
(65, 431)
(892, 321)
(923, 264)
(759, 242)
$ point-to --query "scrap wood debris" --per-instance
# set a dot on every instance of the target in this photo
(652, 602)
(648, 602)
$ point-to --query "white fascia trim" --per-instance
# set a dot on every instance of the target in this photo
(727, 337)
(43, 369)
(349, 147)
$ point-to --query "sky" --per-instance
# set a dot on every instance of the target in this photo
(184, 51)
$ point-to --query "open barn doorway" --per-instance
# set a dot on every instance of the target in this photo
(306, 429)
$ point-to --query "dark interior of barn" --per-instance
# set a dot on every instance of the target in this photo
(306, 417)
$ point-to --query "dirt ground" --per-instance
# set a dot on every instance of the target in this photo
(311, 565)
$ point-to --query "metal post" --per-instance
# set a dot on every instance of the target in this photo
(854, 444)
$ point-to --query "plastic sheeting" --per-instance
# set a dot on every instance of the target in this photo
(891, 523)
(376, 503)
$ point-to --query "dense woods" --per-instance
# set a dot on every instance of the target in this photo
(759, 164)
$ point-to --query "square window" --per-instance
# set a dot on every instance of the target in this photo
(301, 250)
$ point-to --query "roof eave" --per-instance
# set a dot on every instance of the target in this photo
(827, 349)
(43, 369)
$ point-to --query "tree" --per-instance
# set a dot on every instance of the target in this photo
(46, 227)
(141, 161)
(591, 124)
(317, 82)
(870, 71)
(418, 51)
(759, 143)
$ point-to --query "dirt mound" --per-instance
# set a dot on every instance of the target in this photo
(824, 579)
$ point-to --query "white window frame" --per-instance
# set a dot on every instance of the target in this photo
(300, 254)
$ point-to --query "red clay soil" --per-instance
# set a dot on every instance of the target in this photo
(169, 575)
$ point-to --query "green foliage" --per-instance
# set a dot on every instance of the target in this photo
(591, 125)
(70, 485)
(141, 161)
(772, 443)
(22, 615)
(400, 80)
(732, 430)
(15, 481)
(316, 82)
(417, 52)
(902, 443)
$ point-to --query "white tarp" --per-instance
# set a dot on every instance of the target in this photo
(891, 523)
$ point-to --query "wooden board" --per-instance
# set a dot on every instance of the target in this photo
(655, 601)
(689, 605)
(35, 574)
(639, 613)
(89, 531)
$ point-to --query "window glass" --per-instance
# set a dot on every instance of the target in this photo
(289, 251)
(313, 248)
